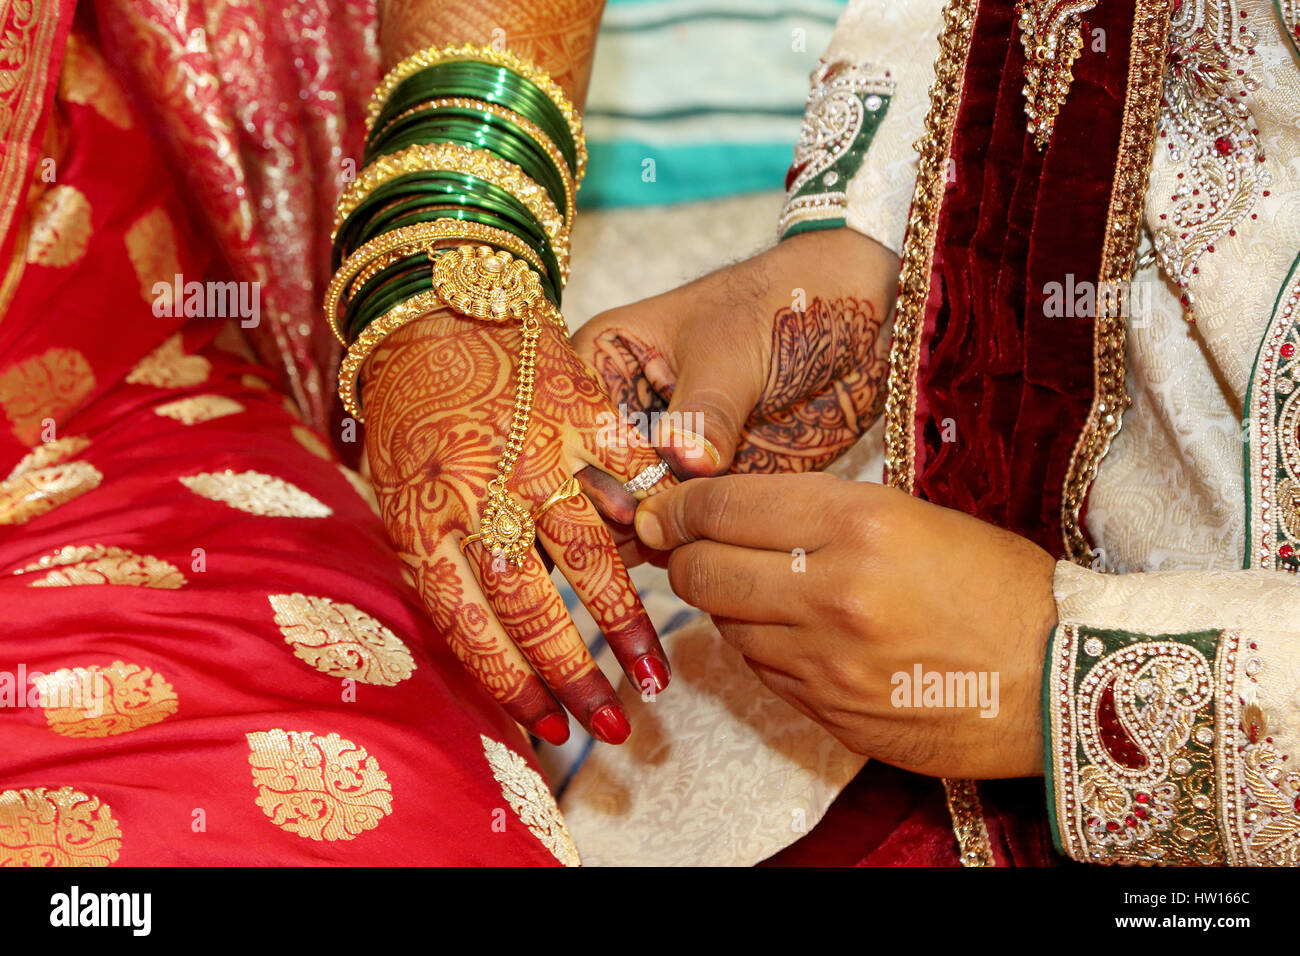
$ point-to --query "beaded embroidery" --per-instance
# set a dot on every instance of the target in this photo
(845, 108)
(1209, 133)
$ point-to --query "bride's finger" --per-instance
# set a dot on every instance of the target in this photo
(577, 540)
(613, 460)
(534, 616)
(461, 613)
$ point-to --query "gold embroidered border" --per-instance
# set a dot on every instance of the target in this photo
(29, 30)
(909, 318)
(1123, 224)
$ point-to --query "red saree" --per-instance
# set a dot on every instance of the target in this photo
(210, 655)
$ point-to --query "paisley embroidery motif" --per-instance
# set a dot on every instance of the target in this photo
(36, 492)
(1210, 134)
(531, 800)
(64, 827)
(320, 788)
(845, 108)
(199, 408)
(61, 229)
(256, 493)
(1133, 732)
(79, 565)
(151, 247)
(341, 640)
(50, 453)
(168, 366)
(49, 385)
(104, 701)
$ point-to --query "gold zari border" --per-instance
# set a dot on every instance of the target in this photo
(909, 318)
(1123, 225)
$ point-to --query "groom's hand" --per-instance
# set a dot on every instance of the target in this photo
(839, 593)
(776, 363)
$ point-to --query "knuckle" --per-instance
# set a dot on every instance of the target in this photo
(692, 579)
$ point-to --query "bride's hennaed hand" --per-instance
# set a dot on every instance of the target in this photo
(439, 395)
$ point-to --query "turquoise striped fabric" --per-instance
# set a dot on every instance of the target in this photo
(699, 99)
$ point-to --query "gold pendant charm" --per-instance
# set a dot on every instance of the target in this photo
(507, 528)
(486, 283)
(1052, 35)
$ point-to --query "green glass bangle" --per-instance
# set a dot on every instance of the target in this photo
(484, 82)
(374, 286)
(516, 149)
(388, 299)
(437, 186)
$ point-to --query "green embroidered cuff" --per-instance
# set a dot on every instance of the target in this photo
(1134, 729)
(845, 108)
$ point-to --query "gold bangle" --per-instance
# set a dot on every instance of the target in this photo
(483, 54)
(462, 159)
(525, 126)
(474, 281)
(417, 238)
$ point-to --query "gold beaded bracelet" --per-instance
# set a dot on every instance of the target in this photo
(421, 237)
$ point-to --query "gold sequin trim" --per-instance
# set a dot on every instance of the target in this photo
(168, 366)
(99, 701)
(63, 827)
(199, 409)
(256, 493)
(319, 788)
(341, 640)
(531, 800)
(1123, 224)
(98, 564)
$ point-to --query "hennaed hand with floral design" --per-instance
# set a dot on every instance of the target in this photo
(439, 397)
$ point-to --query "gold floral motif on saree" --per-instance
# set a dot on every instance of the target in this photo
(168, 366)
(86, 79)
(341, 640)
(312, 442)
(50, 453)
(1052, 36)
(44, 489)
(531, 800)
(99, 701)
(362, 487)
(63, 827)
(256, 493)
(199, 408)
(98, 564)
(47, 386)
(318, 787)
(1209, 133)
(60, 229)
(151, 247)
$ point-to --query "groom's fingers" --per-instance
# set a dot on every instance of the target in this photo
(770, 512)
(739, 583)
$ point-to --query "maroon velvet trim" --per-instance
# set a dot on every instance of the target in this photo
(1012, 385)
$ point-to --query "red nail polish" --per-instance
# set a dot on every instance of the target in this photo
(552, 728)
(652, 669)
(610, 725)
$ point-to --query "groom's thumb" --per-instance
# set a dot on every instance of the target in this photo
(718, 385)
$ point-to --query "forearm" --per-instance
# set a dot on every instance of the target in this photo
(557, 35)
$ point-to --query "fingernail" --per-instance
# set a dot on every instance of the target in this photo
(552, 728)
(649, 530)
(696, 445)
(610, 725)
(650, 670)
